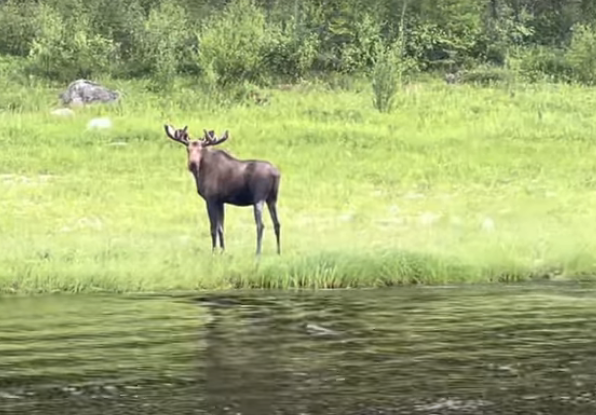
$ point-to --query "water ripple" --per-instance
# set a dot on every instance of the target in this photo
(484, 350)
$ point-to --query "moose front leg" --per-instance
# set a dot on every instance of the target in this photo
(220, 225)
(212, 212)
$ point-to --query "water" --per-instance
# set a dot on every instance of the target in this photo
(495, 350)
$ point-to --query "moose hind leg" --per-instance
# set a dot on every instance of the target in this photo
(271, 205)
(258, 210)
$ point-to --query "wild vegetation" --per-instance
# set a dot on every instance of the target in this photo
(263, 41)
(391, 175)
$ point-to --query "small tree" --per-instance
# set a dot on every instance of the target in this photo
(386, 77)
(17, 27)
(582, 54)
(65, 50)
(389, 66)
(232, 46)
(291, 50)
(164, 38)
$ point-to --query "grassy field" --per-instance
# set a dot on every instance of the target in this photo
(457, 184)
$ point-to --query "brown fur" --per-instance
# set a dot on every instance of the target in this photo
(221, 178)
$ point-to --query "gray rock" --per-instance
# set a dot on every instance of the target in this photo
(82, 92)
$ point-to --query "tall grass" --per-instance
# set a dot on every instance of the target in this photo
(457, 184)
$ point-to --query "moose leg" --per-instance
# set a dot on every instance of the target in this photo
(258, 209)
(220, 225)
(212, 211)
(271, 205)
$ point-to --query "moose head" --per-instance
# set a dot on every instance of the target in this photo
(194, 147)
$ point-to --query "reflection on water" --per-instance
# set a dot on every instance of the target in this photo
(497, 350)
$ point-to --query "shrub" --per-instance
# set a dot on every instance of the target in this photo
(232, 46)
(582, 54)
(487, 75)
(291, 50)
(386, 76)
(65, 50)
(540, 63)
(17, 27)
(162, 45)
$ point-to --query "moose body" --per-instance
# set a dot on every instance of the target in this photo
(222, 179)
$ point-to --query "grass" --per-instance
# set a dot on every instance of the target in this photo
(456, 184)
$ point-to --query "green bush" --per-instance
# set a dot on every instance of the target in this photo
(291, 50)
(582, 54)
(358, 54)
(123, 23)
(66, 50)
(232, 47)
(17, 27)
(487, 75)
(386, 76)
(162, 46)
(542, 63)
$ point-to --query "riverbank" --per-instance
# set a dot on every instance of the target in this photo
(457, 184)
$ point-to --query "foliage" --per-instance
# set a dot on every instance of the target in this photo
(386, 76)
(163, 42)
(487, 75)
(65, 50)
(292, 50)
(582, 54)
(232, 46)
(259, 41)
(17, 27)
(540, 63)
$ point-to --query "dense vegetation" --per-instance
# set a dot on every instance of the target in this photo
(261, 41)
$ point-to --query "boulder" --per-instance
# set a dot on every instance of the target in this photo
(82, 91)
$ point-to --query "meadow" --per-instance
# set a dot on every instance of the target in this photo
(458, 184)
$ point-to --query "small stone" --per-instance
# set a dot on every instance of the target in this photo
(99, 123)
(488, 225)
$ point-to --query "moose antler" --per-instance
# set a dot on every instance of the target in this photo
(180, 136)
(212, 140)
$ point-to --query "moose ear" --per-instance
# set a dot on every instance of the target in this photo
(170, 131)
(209, 135)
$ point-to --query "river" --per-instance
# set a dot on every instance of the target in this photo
(499, 349)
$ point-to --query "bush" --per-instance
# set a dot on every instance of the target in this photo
(65, 50)
(163, 43)
(291, 50)
(582, 54)
(232, 47)
(124, 24)
(17, 27)
(386, 76)
(487, 75)
(358, 54)
(540, 63)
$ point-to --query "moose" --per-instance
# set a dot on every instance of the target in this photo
(222, 178)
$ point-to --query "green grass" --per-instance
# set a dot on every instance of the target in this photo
(366, 199)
